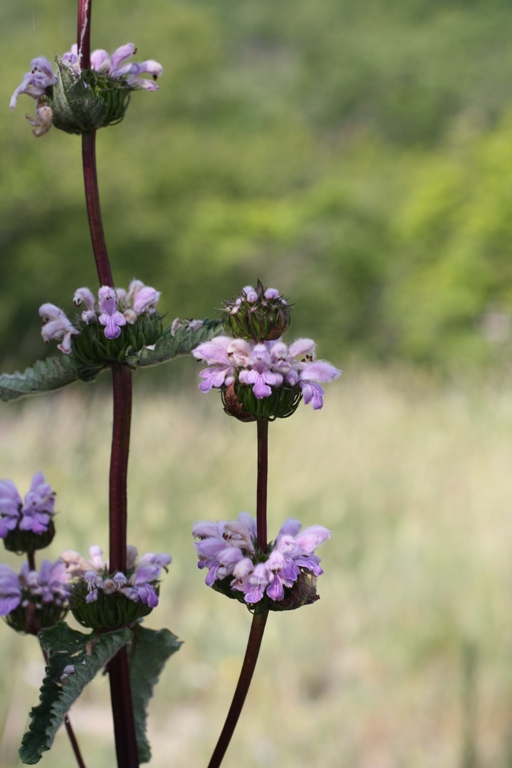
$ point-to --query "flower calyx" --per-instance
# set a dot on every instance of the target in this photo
(104, 601)
(27, 525)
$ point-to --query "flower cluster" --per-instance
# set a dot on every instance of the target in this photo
(27, 524)
(100, 599)
(32, 600)
(260, 313)
(76, 101)
(265, 368)
(105, 317)
(281, 579)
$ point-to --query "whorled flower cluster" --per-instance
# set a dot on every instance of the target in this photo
(238, 567)
(33, 599)
(114, 309)
(27, 524)
(111, 72)
(265, 367)
(101, 599)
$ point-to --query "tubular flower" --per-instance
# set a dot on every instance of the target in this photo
(27, 525)
(264, 370)
(56, 327)
(78, 101)
(32, 600)
(101, 600)
(283, 578)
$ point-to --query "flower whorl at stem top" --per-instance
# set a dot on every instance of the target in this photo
(100, 599)
(27, 525)
(32, 600)
(283, 578)
(119, 320)
(268, 369)
(78, 101)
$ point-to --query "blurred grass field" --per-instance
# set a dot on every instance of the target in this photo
(405, 660)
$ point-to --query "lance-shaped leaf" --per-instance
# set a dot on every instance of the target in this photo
(150, 651)
(169, 346)
(45, 376)
(64, 647)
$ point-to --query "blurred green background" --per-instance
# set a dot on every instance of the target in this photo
(357, 155)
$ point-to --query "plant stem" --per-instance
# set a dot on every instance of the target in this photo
(118, 503)
(83, 37)
(74, 742)
(92, 197)
(261, 488)
(258, 620)
(244, 681)
(122, 711)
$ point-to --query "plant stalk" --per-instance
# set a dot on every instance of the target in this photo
(258, 620)
(92, 197)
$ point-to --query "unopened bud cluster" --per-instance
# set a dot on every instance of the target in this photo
(27, 525)
(103, 600)
(33, 600)
(117, 323)
(281, 579)
(259, 376)
(78, 101)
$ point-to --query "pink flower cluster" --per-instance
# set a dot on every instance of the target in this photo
(138, 584)
(44, 588)
(32, 514)
(265, 366)
(114, 309)
(230, 551)
(41, 74)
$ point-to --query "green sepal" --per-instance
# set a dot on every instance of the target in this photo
(302, 593)
(240, 401)
(22, 542)
(86, 101)
(65, 646)
(44, 376)
(169, 346)
(150, 651)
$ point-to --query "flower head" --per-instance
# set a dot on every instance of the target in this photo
(32, 600)
(78, 101)
(101, 600)
(257, 314)
(283, 578)
(27, 525)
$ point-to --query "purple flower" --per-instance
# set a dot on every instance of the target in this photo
(138, 584)
(110, 317)
(36, 81)
(56, 326)
(259, 373)
(10, 590)
(85, 296)
(33, 514)
(230, 549)
(146, 300)
(113, 66)
(222, 354)
(45, 588)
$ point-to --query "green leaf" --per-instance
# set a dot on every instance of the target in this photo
(45, 376)
(150, 651)
(169, 346)
(65, 646)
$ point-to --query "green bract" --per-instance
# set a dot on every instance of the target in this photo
(107, 611)
(241, 402)
(257, 314)
(27, 541)
(86, 101)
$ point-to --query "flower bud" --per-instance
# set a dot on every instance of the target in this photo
(257, 313)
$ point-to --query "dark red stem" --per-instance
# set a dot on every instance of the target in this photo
(122, 711)
(261, 488)
(83, 37)
(244, 681)
(92, 197)
(258, 620)
(118, 505)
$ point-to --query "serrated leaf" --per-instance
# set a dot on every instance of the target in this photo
(45, 376)
(169, 346)
(65, 646)
(150, 651)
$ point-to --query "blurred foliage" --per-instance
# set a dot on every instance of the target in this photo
(352, 154)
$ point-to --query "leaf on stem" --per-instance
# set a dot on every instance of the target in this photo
(150, 651)
(45, 376)
(65, 647)
(169, 346)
